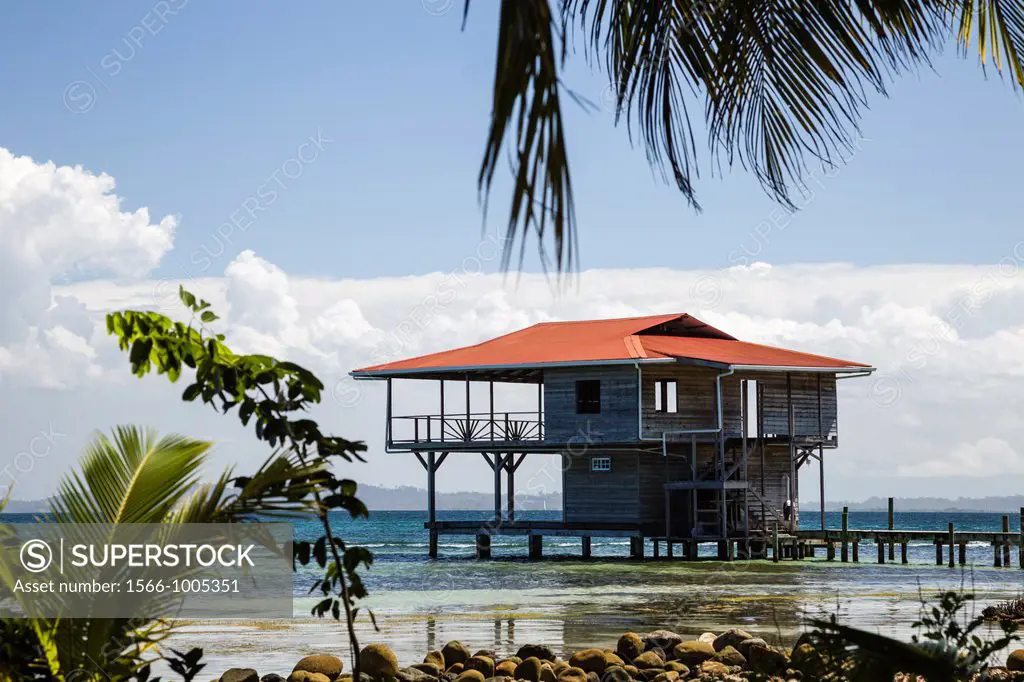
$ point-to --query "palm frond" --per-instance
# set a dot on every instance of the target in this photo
(130, 478)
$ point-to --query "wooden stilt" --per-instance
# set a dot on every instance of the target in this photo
(1006, 541)
(892, 526)
(432, 549)
(856, 551)
(881, 550)
(951, 536)
(963, 553)
(845, 548)
(830, 551)
(903, 553)
(997, 559)
(1020, 540)
(483, 546)
(585, 541)
(657, 549)
(775, 543)
(535, 545)
(938, 552)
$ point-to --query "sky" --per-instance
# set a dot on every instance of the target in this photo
(312, 171)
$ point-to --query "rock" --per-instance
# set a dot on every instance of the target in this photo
(730, 655)
(611, 658)
(589, 660)
(514, 659)
(1015, 661)
(455, 652)
(435, 658)
(662, 639)
(431, 669)
(632, 670)
(482, 663)
(470, 676)
(730, 638)
(694, 652)
(667, 676)
(593, 677)
(766, 660)
(378, 661)
(540, 651)
(629, 646)
(615, 673)
(306, 676)
(680, 668)
(506, 668)
(455, 669)
(325, 664)
(572, 674)
(489, 653)
(413, 674)
(272, 677)
(714, 668)
(499, 678)
(648, 659)
(807, 660)
(745, 645)
(708, 637)
(547, 673)
(240, 675)
(559, 666)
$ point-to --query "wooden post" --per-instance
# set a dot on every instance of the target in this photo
(510, 495)
(938, 552)
(483, 546)
(845, 548)
(1006, 541)
(469, 414)
(830, 552)
(903, 552)
(775, 543)
(432, 550)
(963, 553)
(585, 540)
(499, 463)
(997, 558)
(490, 400)
(442, 412)
(1020, 540)
(952, 539)
(668, 524)
(388, 435)
(657, 547)
(431, 490)
(794, 492)
(881, 550)
(892, 526)
(536, 546)
(821, 482)
(856, 551)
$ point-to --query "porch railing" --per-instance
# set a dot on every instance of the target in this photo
(502, 427)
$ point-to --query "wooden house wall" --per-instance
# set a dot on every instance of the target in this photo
(617, 422)
(695, 399)
(601, 496)
(776, 489)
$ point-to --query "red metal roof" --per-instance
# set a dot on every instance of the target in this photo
(657, 337)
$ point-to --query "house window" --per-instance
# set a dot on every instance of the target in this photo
(600, 463)
(588, 396)
(665, 396)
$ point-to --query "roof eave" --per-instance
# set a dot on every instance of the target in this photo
(413, 372)
(864, 369)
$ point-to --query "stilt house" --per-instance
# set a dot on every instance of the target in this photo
(668, 428)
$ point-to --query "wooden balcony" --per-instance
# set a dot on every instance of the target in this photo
(474, 431)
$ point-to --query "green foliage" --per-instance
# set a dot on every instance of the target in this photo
(273, 395)
(946, 646)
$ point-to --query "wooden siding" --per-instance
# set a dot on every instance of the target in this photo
(776, 491)
(695, 401)
(601, 496)
(617, 421)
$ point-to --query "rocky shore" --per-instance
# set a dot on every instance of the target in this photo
(659, 656)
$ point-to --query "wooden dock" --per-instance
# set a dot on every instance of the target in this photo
(950, 544)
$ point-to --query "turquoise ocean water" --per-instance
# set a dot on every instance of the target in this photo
(569, 603)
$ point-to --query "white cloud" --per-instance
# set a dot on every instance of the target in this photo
(948, 340)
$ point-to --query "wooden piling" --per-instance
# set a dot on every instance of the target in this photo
(775, 543)
(1006, 541)
(585, 542)
(657, 549)
(938, 552)
(881, 551)
(432, 550)
(963, 553)
(903, 552)
(997, 555)
(830, 551)
(535, 544)
(845, 549)
(892, 526)
(1020, 540)
(856, 552)
(951, 537)
(483, 546)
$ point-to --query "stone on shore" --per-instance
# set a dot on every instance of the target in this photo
(730, 638)
(744, 646)
(1015, 661)
(506, 668)
(680, 668)
(589, 660)
(378, 661)
(693, 653)
(572, 674)
(530, 670)
(730, 656)
(662, 639)
(489, 653)
(630, 645)
(648, 659)
(240, 675)
(325, 664)
(431, 669)
(455, 669)
(413, 674)
(484, 664)
(435, 658)
(714, 668)
(615, 673)
(708, 637)
(547, 673)
(272, 677)
(455, 652)
(766, 660)
(306, 676)
(470, 676)
(540, 651)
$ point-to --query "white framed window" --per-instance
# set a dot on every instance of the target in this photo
(600, 463)
(665, 396)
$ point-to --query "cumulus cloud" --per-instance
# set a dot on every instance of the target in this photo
(948, 339)
(59, 223)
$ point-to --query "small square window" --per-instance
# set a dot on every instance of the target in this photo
(600, 463)
(588, 396)
(665, 396)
